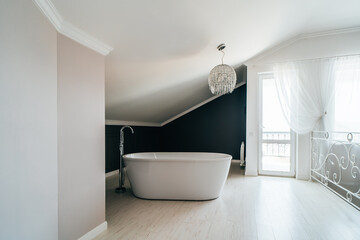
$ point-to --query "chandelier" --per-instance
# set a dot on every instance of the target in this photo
(222, 78)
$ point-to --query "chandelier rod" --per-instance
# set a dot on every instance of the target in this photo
(221, 48)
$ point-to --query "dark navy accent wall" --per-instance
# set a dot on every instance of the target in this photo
(218, 126)
(144, 139)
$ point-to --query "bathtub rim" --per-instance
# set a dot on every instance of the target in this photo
(221, 157)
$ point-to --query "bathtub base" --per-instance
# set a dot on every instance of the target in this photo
(163, 199)
(177, 176)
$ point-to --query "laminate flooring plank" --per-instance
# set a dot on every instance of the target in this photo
(249, 208)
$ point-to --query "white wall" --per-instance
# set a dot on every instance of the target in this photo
(28, 135)
(252, 121)
(81, 139)
(304, 48)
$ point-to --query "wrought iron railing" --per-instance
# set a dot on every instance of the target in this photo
(335, 161)
(276, 144)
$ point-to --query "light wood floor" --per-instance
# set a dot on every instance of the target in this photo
(249, 208)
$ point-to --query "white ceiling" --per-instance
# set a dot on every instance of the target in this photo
(164, 50)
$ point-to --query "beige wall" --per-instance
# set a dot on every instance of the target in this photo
(81, 139)
(28, 136)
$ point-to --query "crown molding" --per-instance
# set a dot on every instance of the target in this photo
(188, 110)
(150, 124)
(65, 28)
(48, 9)
(196, 106)
(271, 50)
(131, 123)
(329, 33)
(85, 39)
(275, 48)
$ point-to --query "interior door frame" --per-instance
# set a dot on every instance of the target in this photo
(293, 135)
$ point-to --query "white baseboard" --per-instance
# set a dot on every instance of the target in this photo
(95, 232)
(303, 177)
(112, 173)
(252, 174)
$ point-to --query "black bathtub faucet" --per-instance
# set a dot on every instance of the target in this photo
(121, 187)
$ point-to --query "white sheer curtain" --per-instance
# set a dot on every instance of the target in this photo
(347, 94)
(321, 94)
(306, 92)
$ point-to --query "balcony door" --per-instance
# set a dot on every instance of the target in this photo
(276, 140)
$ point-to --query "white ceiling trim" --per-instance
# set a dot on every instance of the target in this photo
(299, 37)
(150, 124)
(131, 123)
(196, 106)
(69, 30)
(328, 33)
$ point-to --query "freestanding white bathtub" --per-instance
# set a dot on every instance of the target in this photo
(177, 175)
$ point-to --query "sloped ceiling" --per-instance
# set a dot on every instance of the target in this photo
(164, 50)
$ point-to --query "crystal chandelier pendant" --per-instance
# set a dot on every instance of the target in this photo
(222, 78)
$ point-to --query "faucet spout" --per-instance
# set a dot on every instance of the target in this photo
(124, 127)
(122, 135)
(121, 187)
